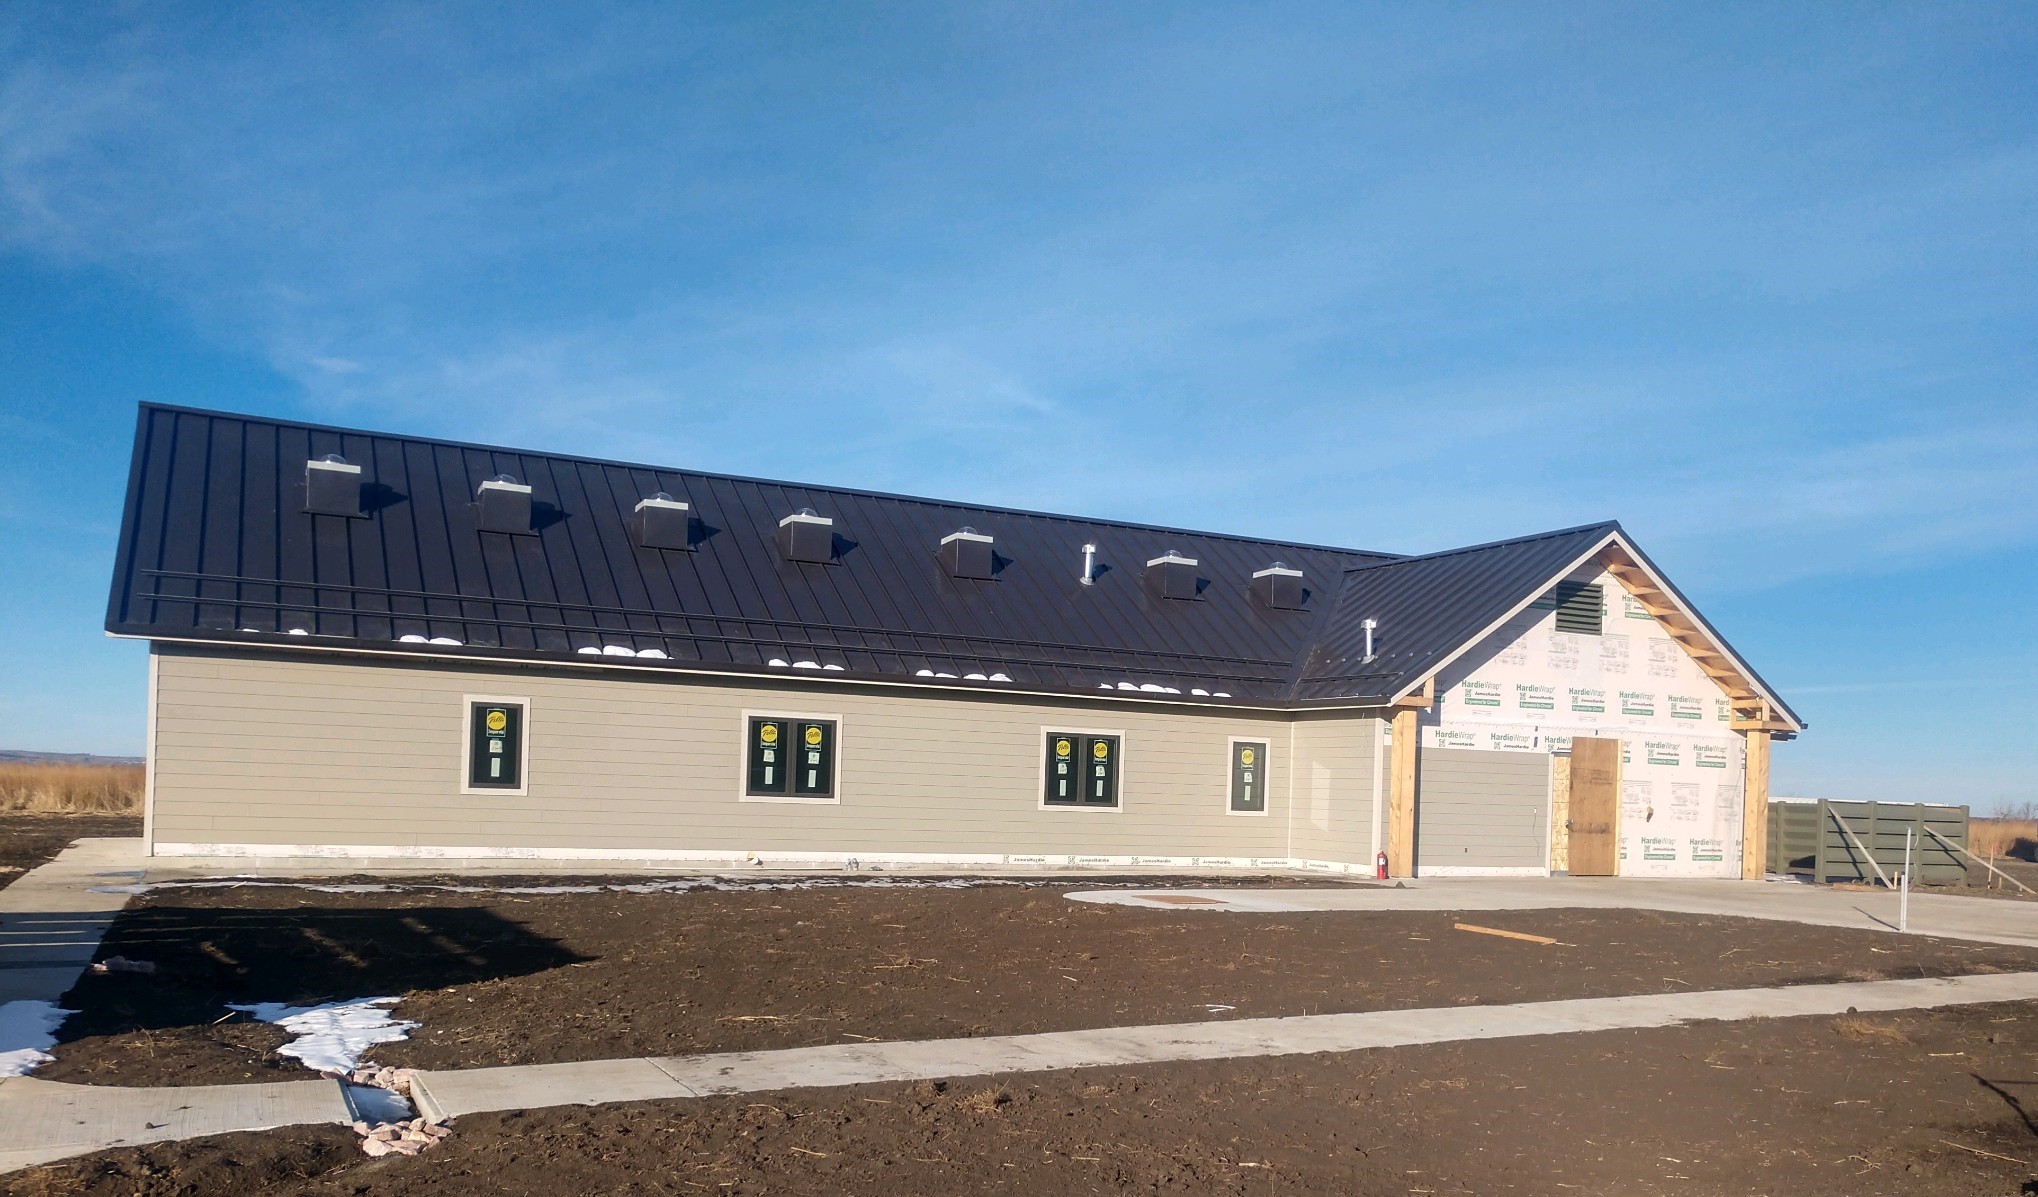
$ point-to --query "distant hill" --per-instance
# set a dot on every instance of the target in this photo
(22, 756)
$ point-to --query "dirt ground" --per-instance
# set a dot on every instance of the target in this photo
(28, 840)
(1937, 1102)
(501, 978)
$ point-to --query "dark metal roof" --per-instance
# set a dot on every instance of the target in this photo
(216, 546)
(1428, 607)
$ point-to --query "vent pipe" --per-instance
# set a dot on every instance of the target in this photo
(1089, 564)
(1369, 625)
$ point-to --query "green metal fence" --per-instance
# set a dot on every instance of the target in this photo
(1812, 838)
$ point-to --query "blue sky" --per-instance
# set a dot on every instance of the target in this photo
(1756, 280)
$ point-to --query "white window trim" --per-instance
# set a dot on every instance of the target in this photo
(523, 786)
(1040, 755)
(1265, 745)
(743, 793)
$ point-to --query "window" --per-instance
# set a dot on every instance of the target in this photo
(1580, 607)
(1082, 769)
(1248, 777)
(790, 758)
(495, 745)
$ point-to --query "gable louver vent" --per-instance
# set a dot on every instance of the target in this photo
(663, 522)
(332, 486)
(502, 504)
(967, 553)
(1175, 575)
(1580, 607)
(1279, 586)
(807, 536)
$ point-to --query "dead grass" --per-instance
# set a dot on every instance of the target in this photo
(1853, 1026)
(58, 789)
(2002, 837)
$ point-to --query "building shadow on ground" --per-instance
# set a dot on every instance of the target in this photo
(206, 958)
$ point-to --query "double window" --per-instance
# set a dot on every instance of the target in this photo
(789, 758)
(1082, 769)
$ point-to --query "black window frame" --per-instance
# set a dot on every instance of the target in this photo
(1083, 759)
(516, 736)
(790, 742)
(1260, 765)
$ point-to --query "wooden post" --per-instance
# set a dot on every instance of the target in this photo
(1401, 796)
(1755, 809)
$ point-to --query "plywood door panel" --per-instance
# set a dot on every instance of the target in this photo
(1595, 801)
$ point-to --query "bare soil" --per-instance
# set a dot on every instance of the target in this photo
(1937, 1102)
(28, 840)
(500, 978)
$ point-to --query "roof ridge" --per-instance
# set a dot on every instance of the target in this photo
(1611, 525)
(923, 500)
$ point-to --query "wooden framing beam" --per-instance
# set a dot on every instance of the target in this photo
(1401, 794)
(1755, 808)
(1421, 700)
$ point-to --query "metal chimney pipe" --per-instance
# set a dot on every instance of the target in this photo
(1089, 564)
(1369, 625)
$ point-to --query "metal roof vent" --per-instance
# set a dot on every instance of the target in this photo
(502, 504)
(1176, 574)
(663, 522)
(807, 536)
(967, 553)
(332, 486)
(1279, 586)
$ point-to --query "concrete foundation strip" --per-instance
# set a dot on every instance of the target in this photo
(42, 1121)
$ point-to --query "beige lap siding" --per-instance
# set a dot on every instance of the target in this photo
(335, 750)
(1332, 817)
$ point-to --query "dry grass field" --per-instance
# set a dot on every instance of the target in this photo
(61, 789)
(1990, 838)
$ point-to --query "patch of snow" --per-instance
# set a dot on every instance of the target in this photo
(777, 663)
(999, 677)
(413, 638)
(949, 676)
(332, 1037)
(974, 677)
(298, 632)
(444, 640)
(617, 650)
(589, 651)
(1128, 686)
(806, 664)
(1199, 690)
(923, 673)
(1153, 688)
(27, 1031)
(836, 668)
(1221, 694)
(656, 654)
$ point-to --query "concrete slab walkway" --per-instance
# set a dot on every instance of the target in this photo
(51, 921)
(531, 1087)
(41, 1121)
(1982, 920)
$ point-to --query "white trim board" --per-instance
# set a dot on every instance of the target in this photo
(1423, 870)
(683, 857)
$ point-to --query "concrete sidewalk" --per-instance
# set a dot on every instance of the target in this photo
(1982, 920)
(41, 1121)
(51, 921)
(517, 1088)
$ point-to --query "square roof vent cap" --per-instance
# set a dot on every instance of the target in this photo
(967, 554)
(502, 504)
(807, 536)
(663, 522)
(332, 486)
(1176, 572)
(1279, 586)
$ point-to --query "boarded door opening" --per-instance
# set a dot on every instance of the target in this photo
(1595, 801)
